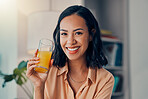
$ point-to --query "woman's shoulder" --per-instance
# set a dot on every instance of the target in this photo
(104, 84)
(103, 71)
(104, 75)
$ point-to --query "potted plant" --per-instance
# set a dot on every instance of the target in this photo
(19, 75)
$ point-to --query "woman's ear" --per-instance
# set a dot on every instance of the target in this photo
(93, 32)
(90, 38)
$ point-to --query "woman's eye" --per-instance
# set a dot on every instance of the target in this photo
(63, 33)
(78, 33)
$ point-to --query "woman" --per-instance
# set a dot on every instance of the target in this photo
(78, 58)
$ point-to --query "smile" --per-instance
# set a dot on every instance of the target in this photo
(72, 50)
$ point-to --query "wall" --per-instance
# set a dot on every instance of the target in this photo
(8, 45)
(138, 23)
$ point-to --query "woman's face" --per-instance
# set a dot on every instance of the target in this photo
(74, 37)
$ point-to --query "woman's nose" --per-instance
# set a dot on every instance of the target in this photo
(71, 40)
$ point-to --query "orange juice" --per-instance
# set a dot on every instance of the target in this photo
(43, 65)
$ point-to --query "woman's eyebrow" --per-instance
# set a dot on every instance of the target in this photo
(73, 30)
(78, 29)
(63, 30)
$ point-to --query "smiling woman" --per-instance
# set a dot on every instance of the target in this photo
(78, 58)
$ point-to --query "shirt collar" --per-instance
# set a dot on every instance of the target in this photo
(63, 69)
(91, 72)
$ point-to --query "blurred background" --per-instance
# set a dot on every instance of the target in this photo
(124, 33)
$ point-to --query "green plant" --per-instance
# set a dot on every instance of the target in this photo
(19, 75)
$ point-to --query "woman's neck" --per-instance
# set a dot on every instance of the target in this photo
(77, 66)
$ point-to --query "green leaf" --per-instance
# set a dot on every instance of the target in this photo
(20, 75)
(23, 69)
(22, 64)
(19, 71)
(8, 78)
(19, 81)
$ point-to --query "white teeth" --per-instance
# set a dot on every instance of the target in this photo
(73, 49)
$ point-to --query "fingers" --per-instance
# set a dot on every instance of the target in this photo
(34, 59)
(30, 70)
(51, 62)
(36, 52)
(30, 63)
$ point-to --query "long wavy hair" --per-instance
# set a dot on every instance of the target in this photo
(94, 54)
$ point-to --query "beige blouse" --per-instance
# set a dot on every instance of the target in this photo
(99, 85)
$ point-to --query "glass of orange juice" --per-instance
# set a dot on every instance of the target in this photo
(44, 53)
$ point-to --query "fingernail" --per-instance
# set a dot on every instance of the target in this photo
(37, 61)
(35, 65)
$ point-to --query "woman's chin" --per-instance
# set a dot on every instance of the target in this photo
(72, 58)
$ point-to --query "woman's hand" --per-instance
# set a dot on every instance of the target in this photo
(38, 79)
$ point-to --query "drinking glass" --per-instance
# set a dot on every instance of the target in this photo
(44, 54)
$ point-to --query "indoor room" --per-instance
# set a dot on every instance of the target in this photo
(123, 32)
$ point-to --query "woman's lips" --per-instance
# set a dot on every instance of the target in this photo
(72, 50)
